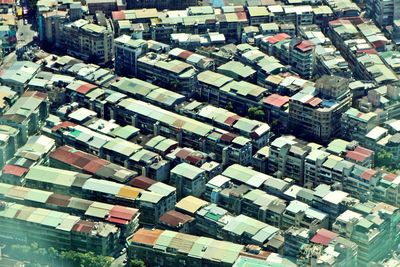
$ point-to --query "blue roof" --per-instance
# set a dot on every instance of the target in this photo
(328, 103)
(218, 3)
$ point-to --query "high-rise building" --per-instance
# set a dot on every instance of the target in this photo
(127, 52)
(89, 41)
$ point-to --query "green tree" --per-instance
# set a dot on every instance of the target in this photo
(256, 113)
(384, 159)
(229, 106)
(136, 263)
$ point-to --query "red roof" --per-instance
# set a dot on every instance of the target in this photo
(194, 158)
(78, 159)
(378, 44)
(174, 218)
(95, 165)
(276, 100)
(368, 174)
(354, 155)
(228, 137)
(305, 46)
(241, 15)
(282, 36)
(14, 170)
(232, 119)
(8, 2)
(364, 151)
(146, 236)
(62, 154)
(271, 40)
(123, 212)
(183, 153)
(359, 154)
(142, 182)
(323, 237)
(185, 54)
(85, 88)
(367, 51)
(117, 221)
(59, 200)
(390, 177)
(83, 226)
(63, 125)
(121, 215)
(118, 15)
(315, 101)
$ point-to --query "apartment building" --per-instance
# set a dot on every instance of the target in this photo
(383, 12)
(27, 114)
(11, 141)
(318, 110)
(189, 180)
(18, 75)
(88, 41)
(57, 229)
(258, 132)
(355, 124)
(125, 218)
(148, 245)
(127, 53)
(174, 74)
(68, 158)
(287, 156)
(371, 232)
(186, 131)
(223, 91)
(160, 4)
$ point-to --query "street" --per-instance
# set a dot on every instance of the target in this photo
(118, 262)
(24, 36)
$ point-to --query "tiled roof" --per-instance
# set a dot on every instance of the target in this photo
(14, 170)
(323, 237)
(174, 218)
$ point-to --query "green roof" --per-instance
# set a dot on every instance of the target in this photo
(125, 132)
(186, 170)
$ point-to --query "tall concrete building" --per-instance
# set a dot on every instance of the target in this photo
(383, 12)
(160, 4)
(317, 110)
(89, 41)
(127, 52)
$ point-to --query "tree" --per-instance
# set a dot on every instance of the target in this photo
(88, 259)
(229, 106)
(256, 113)
(384, 159)
(136, 263)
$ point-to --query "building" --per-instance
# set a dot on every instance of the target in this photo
(176, 221)
(28, 114)
(68, 158)
(189, 180)
(174, 74)
(8, 38)
(127, 53)
(125, 218)
(11, 141)
(106, 6)
(160, 4)
(318, 110)
(287, 156)
(18, 75)
(89, 41)
(148, 246)
(57, 229)
(383, 12)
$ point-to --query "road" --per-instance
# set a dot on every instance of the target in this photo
(119, 262)
(25, 35)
